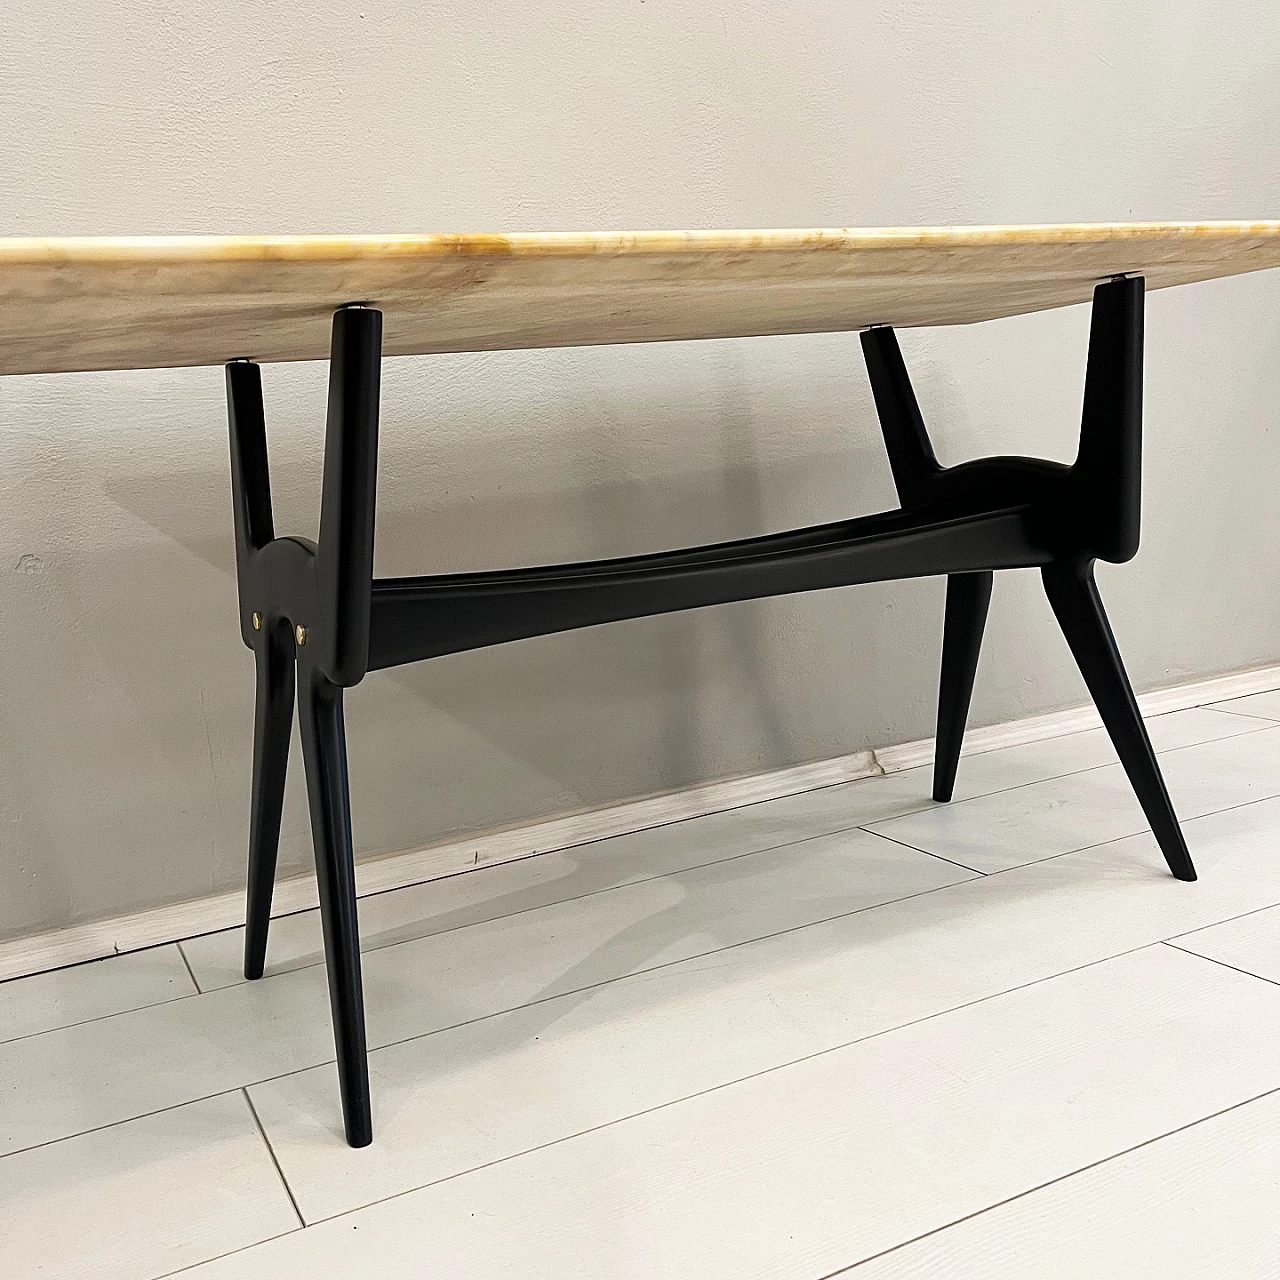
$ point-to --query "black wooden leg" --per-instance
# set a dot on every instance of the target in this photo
(1074, 596)
(968, 595)
(273, 721)
(324, 751)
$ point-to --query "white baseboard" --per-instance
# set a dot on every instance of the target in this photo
(160, 925)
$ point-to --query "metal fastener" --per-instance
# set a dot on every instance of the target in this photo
(301, 634)
(257, 622)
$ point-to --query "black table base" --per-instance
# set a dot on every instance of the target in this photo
(318, 620)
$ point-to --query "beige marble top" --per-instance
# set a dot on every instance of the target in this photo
(74, 304)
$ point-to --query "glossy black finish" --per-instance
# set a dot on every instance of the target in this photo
(324, 753)
(1102, 509)
(1074, 596)
(1088, 511)
(416, 618)
(273, 718)
(250, 478)
(321, 611)
(344, 559)
(272, 644)
(968, 596)
(312, 606)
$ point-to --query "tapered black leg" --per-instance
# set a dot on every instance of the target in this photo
(273, 721)
(1074, 596)
(968, 595)
(325, 754)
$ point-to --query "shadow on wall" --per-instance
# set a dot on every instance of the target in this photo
(574, 711)
(132, 710)
(592, 508)
(663, 660)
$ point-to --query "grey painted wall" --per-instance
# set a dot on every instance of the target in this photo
(126, 693)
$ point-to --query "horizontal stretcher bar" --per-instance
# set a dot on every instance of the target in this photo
(424, 617)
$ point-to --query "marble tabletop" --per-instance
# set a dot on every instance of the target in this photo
(154, 302)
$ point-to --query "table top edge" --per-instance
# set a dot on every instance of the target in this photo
(36, 251)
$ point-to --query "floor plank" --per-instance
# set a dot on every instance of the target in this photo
(493, 892)
(450, 1102)
(91, 1075)
(62, 997)
(799, 1171)
(1251, 943)
(599, 990)
(1044, 819)
(1265, 705)
(144, 1198)
(1005, 768)
(441, 905)
(1197, 1205)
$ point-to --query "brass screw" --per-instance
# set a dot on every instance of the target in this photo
(301, 634)
(257, 622)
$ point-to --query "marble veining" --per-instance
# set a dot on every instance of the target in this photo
(148, 302)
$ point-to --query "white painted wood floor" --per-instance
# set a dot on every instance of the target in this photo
(843, 1033)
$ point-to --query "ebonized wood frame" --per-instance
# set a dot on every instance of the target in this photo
(317, 619)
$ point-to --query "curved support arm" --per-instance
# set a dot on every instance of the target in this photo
(1091, 510)
(324, 590)
(250, 479)
(1106, 480)
(344, 558)
(906, 439)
